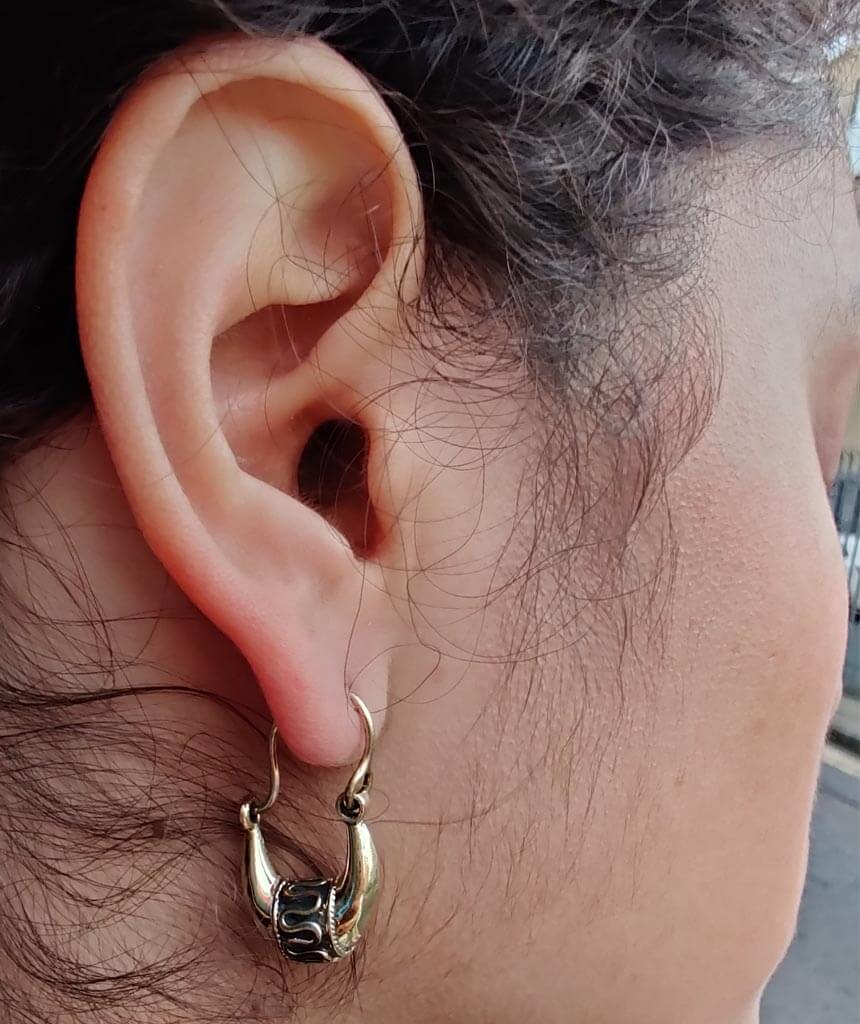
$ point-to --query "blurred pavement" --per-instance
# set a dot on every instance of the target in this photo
(819, 981)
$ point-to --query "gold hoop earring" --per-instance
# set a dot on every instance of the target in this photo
(321, 919)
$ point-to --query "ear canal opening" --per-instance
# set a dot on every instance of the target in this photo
(332, 478)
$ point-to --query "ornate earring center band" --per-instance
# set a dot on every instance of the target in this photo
(322, 919)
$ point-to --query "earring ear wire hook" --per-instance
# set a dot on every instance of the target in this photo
(274, 775)
(361, 780)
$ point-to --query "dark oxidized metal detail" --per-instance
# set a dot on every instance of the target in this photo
(301, 920)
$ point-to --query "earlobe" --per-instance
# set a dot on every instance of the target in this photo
(247, 237)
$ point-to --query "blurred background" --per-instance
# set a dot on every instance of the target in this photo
(819, 981)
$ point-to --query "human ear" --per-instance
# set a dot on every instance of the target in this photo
(248, 240)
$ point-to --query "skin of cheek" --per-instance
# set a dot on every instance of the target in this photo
(665, 883)
(762, 576)
(763, 595)
(670, 828)
(759, 613)
(655, 875)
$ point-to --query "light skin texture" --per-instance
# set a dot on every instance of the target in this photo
(601, 830)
